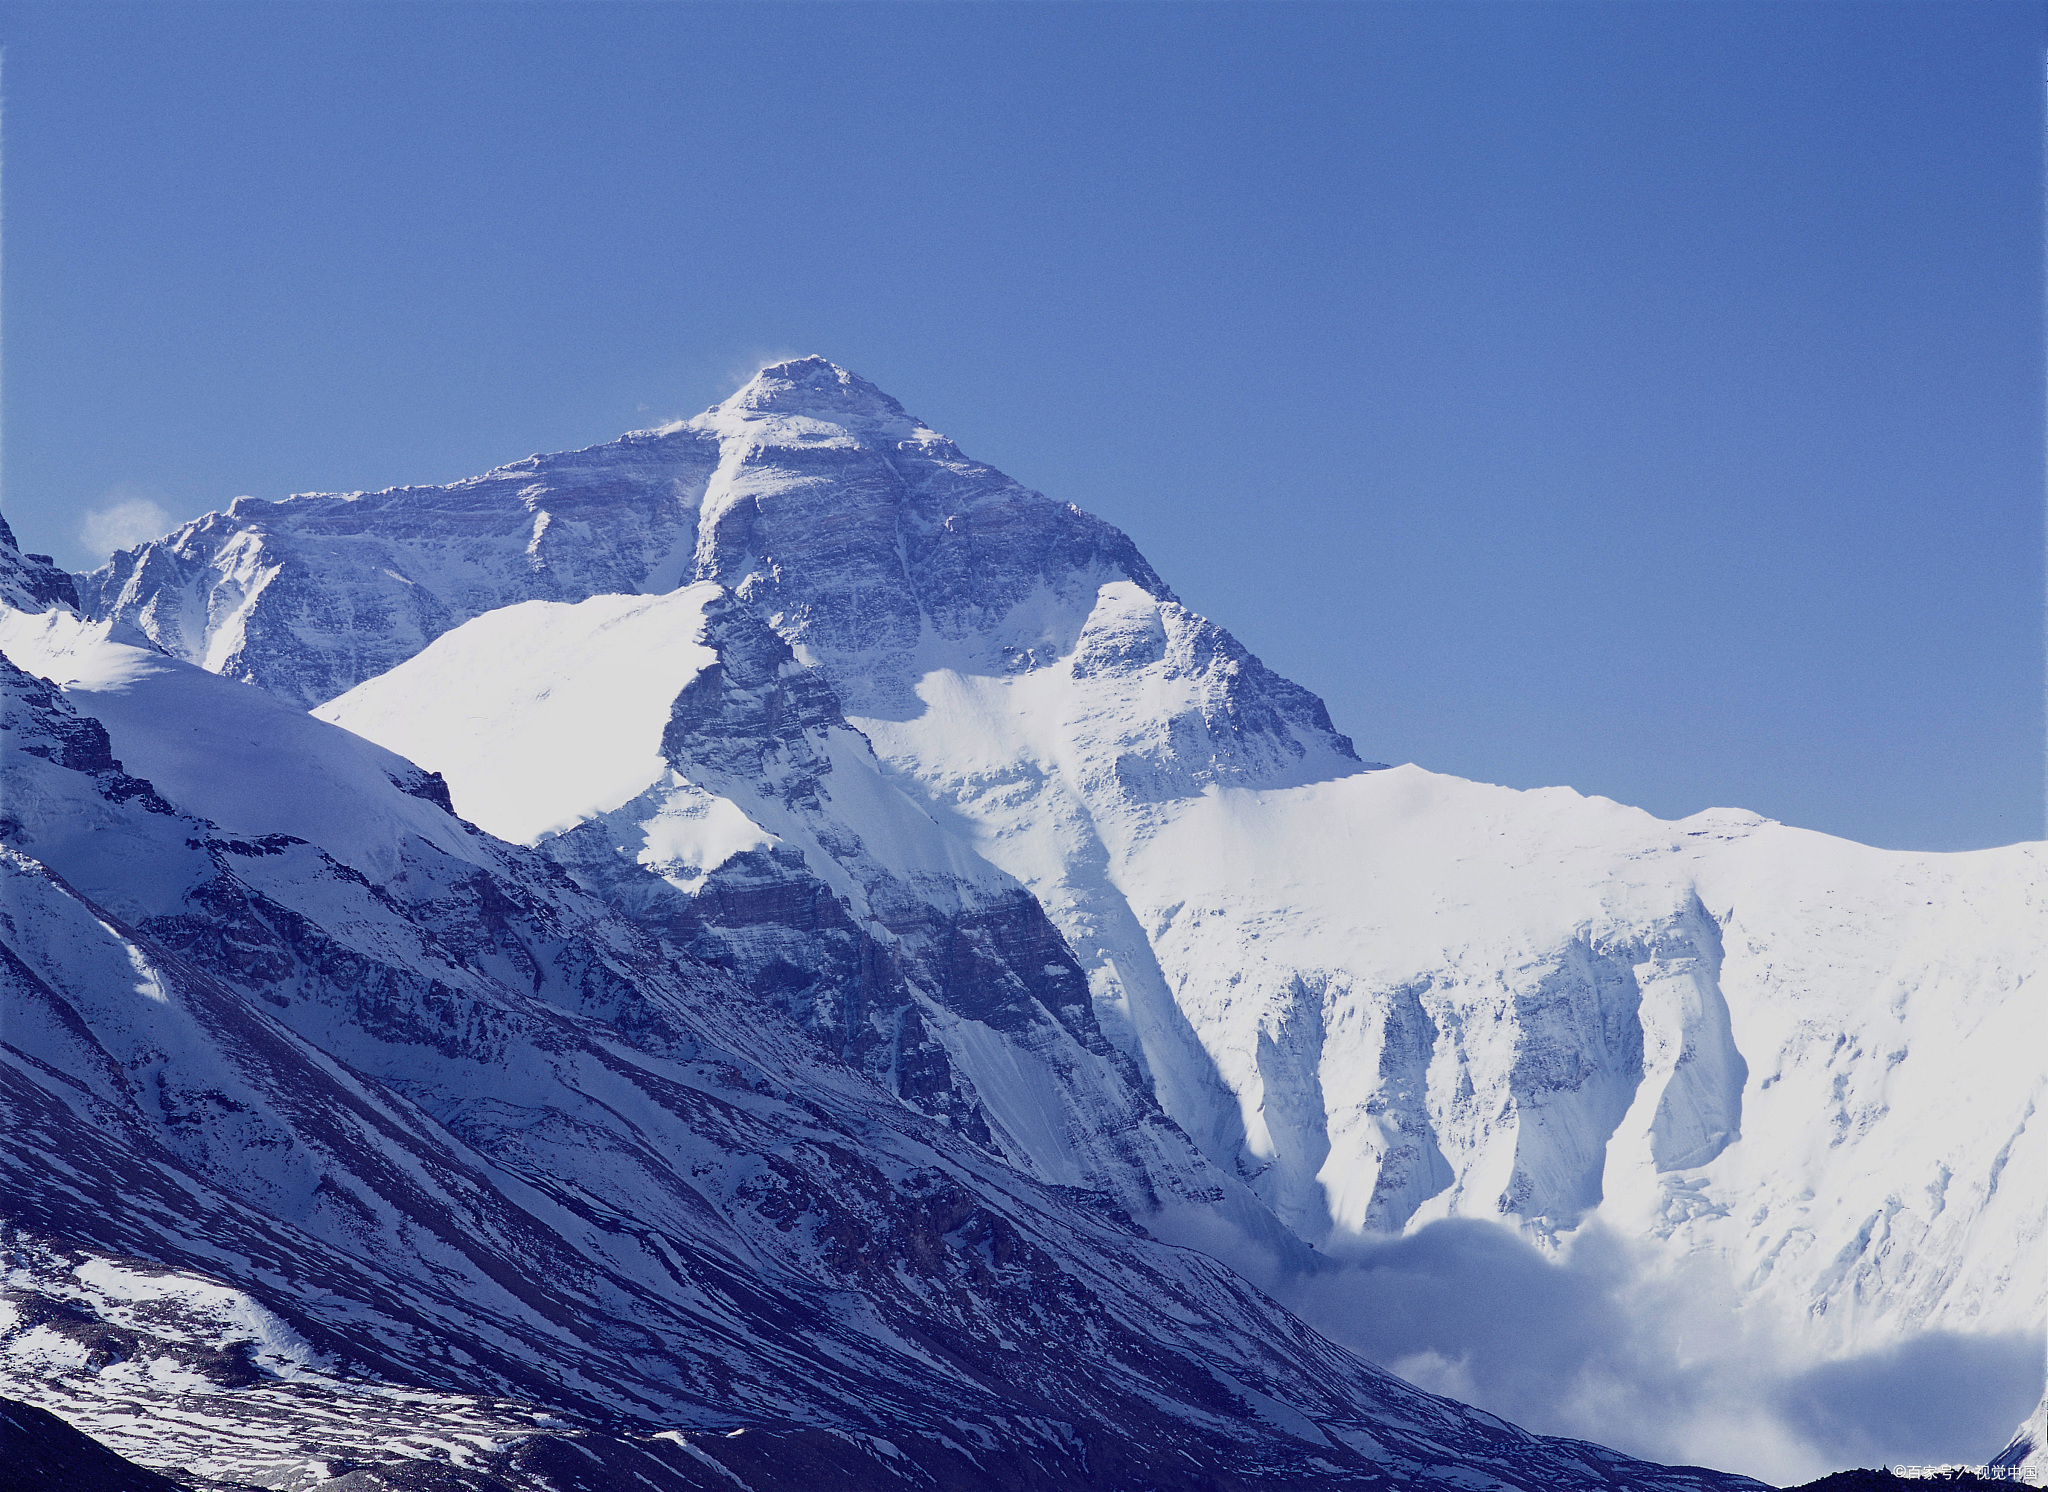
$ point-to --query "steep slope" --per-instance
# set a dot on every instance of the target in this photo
(403, 1139)
(1377, 998)
(311, 596)
(31, 582)
(862, 537)
(677, 735)
(1438, 999)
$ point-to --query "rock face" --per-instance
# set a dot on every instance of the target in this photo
(726, 803)
(41, 1453)
(30, 582)
(309, 597)
(369, 1150)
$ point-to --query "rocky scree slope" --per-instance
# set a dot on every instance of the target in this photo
(346, 1144)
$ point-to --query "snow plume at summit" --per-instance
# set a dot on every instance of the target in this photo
(122, 519)
(787, 755)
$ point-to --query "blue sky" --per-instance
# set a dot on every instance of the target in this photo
(1645, 398)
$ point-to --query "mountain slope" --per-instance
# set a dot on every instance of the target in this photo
(673, 756)
(1374, 998)
(2026, 1457)
(41, 1452)
(389, 1144)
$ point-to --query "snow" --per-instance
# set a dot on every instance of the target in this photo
(1377, 997)
(571, 731)
(597, 683)
(691, 833)
(116, 1290)
(1374, 967)
(232, 753)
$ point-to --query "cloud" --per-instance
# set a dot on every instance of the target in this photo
(1606, 1343)
(120, 520)
(1918, 1401)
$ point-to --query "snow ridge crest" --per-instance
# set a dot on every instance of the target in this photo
(814, 386)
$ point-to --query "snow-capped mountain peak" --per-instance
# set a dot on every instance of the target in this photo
(443, 1173)
(989, 801)
(816, 389)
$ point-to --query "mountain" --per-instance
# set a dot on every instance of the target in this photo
(350, 1146)
(314, 595)
(915, 753)
(670, 753)
(1374, 997)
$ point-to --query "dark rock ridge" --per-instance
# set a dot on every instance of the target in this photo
(31, 582)
(865, 983)
(41, 1453)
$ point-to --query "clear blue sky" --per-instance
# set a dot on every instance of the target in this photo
(1641, 397)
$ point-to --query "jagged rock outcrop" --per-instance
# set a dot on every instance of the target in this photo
(759, 832)
(32, 582)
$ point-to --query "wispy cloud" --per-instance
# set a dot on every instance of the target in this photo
(122, 519)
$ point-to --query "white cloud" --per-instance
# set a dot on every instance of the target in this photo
(1605, 1343)
(122, 519)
